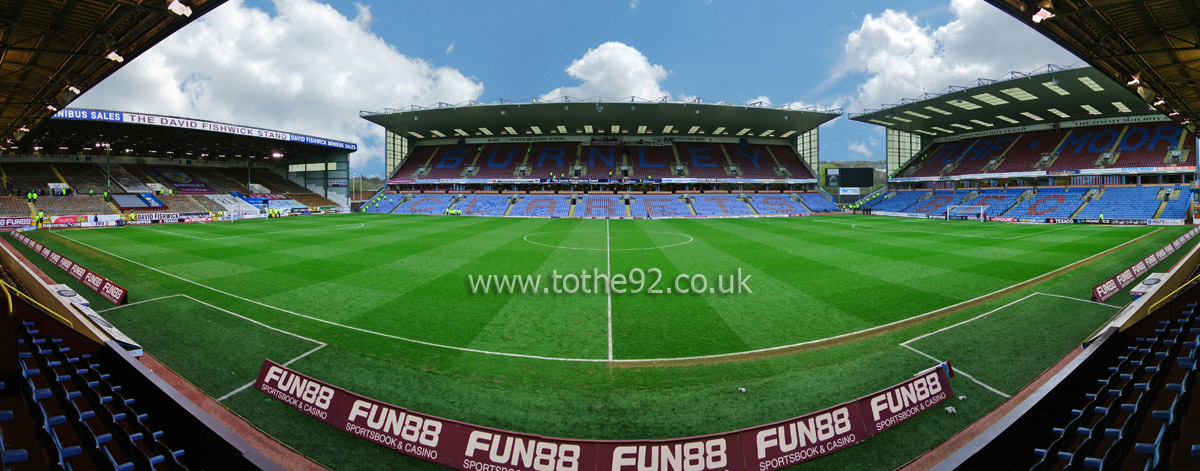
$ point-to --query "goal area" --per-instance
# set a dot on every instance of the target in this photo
(967, 212)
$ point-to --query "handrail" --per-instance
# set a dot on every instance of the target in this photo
(7, 287)
(1172, 294)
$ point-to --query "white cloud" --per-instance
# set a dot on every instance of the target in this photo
(450, 48)
(633, 4)
(861, 149)
(902, 58)
(306, 69)
(614, 70)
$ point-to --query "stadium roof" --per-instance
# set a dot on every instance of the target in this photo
(78, 131)
(598, 116)
(53, 50)
(1048, 95)
(1157, 41)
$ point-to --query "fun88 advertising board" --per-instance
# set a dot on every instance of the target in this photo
(464, 446)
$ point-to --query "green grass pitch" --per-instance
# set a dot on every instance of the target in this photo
(381, 304)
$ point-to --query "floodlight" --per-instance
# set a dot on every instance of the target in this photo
(113, 56)
(179, 8)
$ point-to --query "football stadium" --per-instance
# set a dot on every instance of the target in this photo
(566, 284)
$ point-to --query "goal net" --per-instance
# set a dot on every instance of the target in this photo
(967, 212)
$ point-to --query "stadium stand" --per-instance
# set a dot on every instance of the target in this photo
(720, 205)
(752, 160)
(788, 159)
(776, 204)
(14, 206)
(1178, 207)
(1133, 145)
(937, 203)
(136, 201)
(998, 201)
(701, 160)
(600, 206)
(183, 203)
(817, 203)
(1124, 202)
(74, 204)
(650, 161)
(542, 205)
(705, 160)
(311, 199)
(426, 204)
(222, 180)
(1050, 203)
(659, 206)
(23, 177)
(897, 201)
(385, 204)
(484, 205)
(85, 177)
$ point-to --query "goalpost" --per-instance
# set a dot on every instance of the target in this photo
(970, 212)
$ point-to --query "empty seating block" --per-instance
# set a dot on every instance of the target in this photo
(74, 205)
(425, 204)
(720, 205)
(543, 205)
(817, 203)
(1123, 203)
(898, 201)
(776, 204)
(484, 205)
(659, 206)
(1050, 203)
(600, 206)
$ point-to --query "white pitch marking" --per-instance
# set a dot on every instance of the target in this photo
(855, 226)
(539, 357)
(905, 344)
(690, 240)
(608, 257)
(319, 343)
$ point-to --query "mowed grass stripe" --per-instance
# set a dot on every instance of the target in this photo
(779, 310)
(572, 325)
(663, 325)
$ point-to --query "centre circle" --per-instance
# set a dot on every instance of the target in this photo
(615, 241)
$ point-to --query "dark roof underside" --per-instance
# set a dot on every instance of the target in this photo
(49, 45)
(602, 116)
(1020, 100)
(1157, 40)
(78, 136)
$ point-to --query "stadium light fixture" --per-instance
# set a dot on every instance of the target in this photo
(787, 134)
(536, 130)
(1186, 122)
(179, 8)
(113, 56)
(1043, 13)
(587, 128)
(562, 129)
(693, 129)
(74, 90)
(719, 130)
(1121, 107)
(1174, 113)
(667, 129)
(616, 128)
(486, 131)
(642, 129)
(743, 131)
(23, 129)
(1134, 81)
(510, 130)
(52, 108)
(1091, 84)
(1160, 102)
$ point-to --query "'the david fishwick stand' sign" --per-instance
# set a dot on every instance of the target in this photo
(465, 446)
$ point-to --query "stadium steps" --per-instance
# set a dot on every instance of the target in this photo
(1027, 194)
(511, 203)
(628, 209)
(800, 200)
(1161, 207)
(675, 152)
(58, 174)
(1091, 195)
(3, 176)
(690, 208)
(776, 160)
(751, 206)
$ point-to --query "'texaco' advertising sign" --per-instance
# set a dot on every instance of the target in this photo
(465, 446)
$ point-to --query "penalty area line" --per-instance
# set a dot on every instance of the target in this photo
(906, 343)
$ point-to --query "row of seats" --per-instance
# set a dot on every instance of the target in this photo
(602, 205)
(1134, 417)
(560, 159)
(81, 420)
(1134, 146)
(136, 201)
(1116, 202)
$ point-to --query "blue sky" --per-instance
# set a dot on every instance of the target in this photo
(309, 66)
